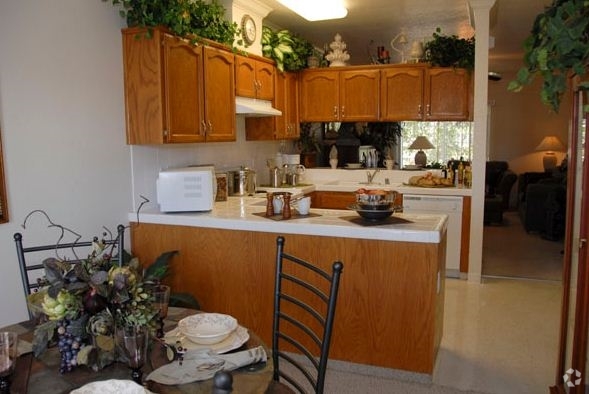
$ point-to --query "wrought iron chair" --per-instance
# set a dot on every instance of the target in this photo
(31, 258)
(304, 308)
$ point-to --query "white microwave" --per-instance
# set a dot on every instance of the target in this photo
(186, 189)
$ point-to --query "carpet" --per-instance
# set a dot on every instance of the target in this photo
(509, 251)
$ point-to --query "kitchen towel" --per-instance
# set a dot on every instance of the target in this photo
(202, 364)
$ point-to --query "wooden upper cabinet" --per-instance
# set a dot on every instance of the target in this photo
(286, 100)
(254, 77)
(183, 93)
(290, 128)
(401, 93)
(319, 100)
(176, 92)
(447, 93)
(423, 93)
(359, 95)
(339, 95)
(219, 93)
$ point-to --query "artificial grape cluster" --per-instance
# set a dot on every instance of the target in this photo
(69, 346)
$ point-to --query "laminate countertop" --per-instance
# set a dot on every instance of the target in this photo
(247, 213)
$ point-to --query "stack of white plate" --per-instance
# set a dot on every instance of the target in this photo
(207, 328)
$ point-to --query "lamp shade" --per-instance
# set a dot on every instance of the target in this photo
(550, 143)
(421, 142)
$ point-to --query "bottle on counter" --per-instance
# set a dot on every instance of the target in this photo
(460, 173)
(468, 177)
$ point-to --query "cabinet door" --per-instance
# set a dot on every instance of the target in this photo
(245, 77)
(219, 105)
(265, 80)
(319, 96)
(359, 100)
(447, 94)
(183, 92)
(401, 93)
(144, 103)
(291, 106)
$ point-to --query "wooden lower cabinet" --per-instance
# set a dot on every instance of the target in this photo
(332, 200)
(391, 299)
(339, 200)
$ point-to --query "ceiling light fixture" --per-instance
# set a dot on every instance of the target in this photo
(313, 10)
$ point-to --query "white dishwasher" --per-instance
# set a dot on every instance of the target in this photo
(451, 206)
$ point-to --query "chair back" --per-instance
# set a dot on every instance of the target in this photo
(30, 258)
(304, 309)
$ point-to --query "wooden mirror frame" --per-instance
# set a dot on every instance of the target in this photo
(3, 202)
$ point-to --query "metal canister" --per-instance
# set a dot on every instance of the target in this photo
(244, 182)
(275, 177)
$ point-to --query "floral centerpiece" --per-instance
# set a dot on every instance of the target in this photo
(85, 301)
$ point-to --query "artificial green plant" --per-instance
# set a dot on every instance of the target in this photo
(557, 47)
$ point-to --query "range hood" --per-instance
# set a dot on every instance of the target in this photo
(253, 107)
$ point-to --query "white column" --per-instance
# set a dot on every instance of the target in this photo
(481, 10)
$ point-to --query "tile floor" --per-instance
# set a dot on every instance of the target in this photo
(500, 336)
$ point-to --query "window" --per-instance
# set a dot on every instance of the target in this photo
(452, 140)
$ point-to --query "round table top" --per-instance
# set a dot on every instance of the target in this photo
(42, 375)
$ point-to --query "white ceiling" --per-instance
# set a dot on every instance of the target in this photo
(372, 23)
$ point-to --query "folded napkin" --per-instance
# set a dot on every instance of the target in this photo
(202, 365)
(112, 386)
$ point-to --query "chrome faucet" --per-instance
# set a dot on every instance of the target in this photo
(371, 176)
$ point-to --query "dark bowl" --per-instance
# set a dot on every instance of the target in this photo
(372, 214)
(375, 207)
(375, 215)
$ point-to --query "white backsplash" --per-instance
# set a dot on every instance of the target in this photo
(148, 160)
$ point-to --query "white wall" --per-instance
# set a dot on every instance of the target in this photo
(62, 123)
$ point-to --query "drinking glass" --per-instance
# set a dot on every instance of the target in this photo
(8, 355)
(133, 342)
(161, 298)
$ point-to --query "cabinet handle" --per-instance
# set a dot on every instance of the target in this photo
(203, 129)
(419, 110)
(210, 128)
(343, 111)
(428, 110)
(335, 111)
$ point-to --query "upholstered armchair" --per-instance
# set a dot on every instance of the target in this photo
(542, 203)
(499, 180)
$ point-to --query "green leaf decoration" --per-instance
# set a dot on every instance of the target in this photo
(159, 268)
(557, 48)
(184, 300)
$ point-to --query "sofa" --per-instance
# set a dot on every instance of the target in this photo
(542, 202)
(499, 181)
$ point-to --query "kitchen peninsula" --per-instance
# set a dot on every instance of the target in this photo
(390, 305)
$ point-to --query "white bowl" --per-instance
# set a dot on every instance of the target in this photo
(207, 328)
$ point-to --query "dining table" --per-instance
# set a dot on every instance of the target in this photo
(41, 375)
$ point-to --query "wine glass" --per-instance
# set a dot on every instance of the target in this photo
(161, 298)
(8, 355)
(133, 341)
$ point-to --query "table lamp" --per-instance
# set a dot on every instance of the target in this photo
(421, 143)
(550, 144)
